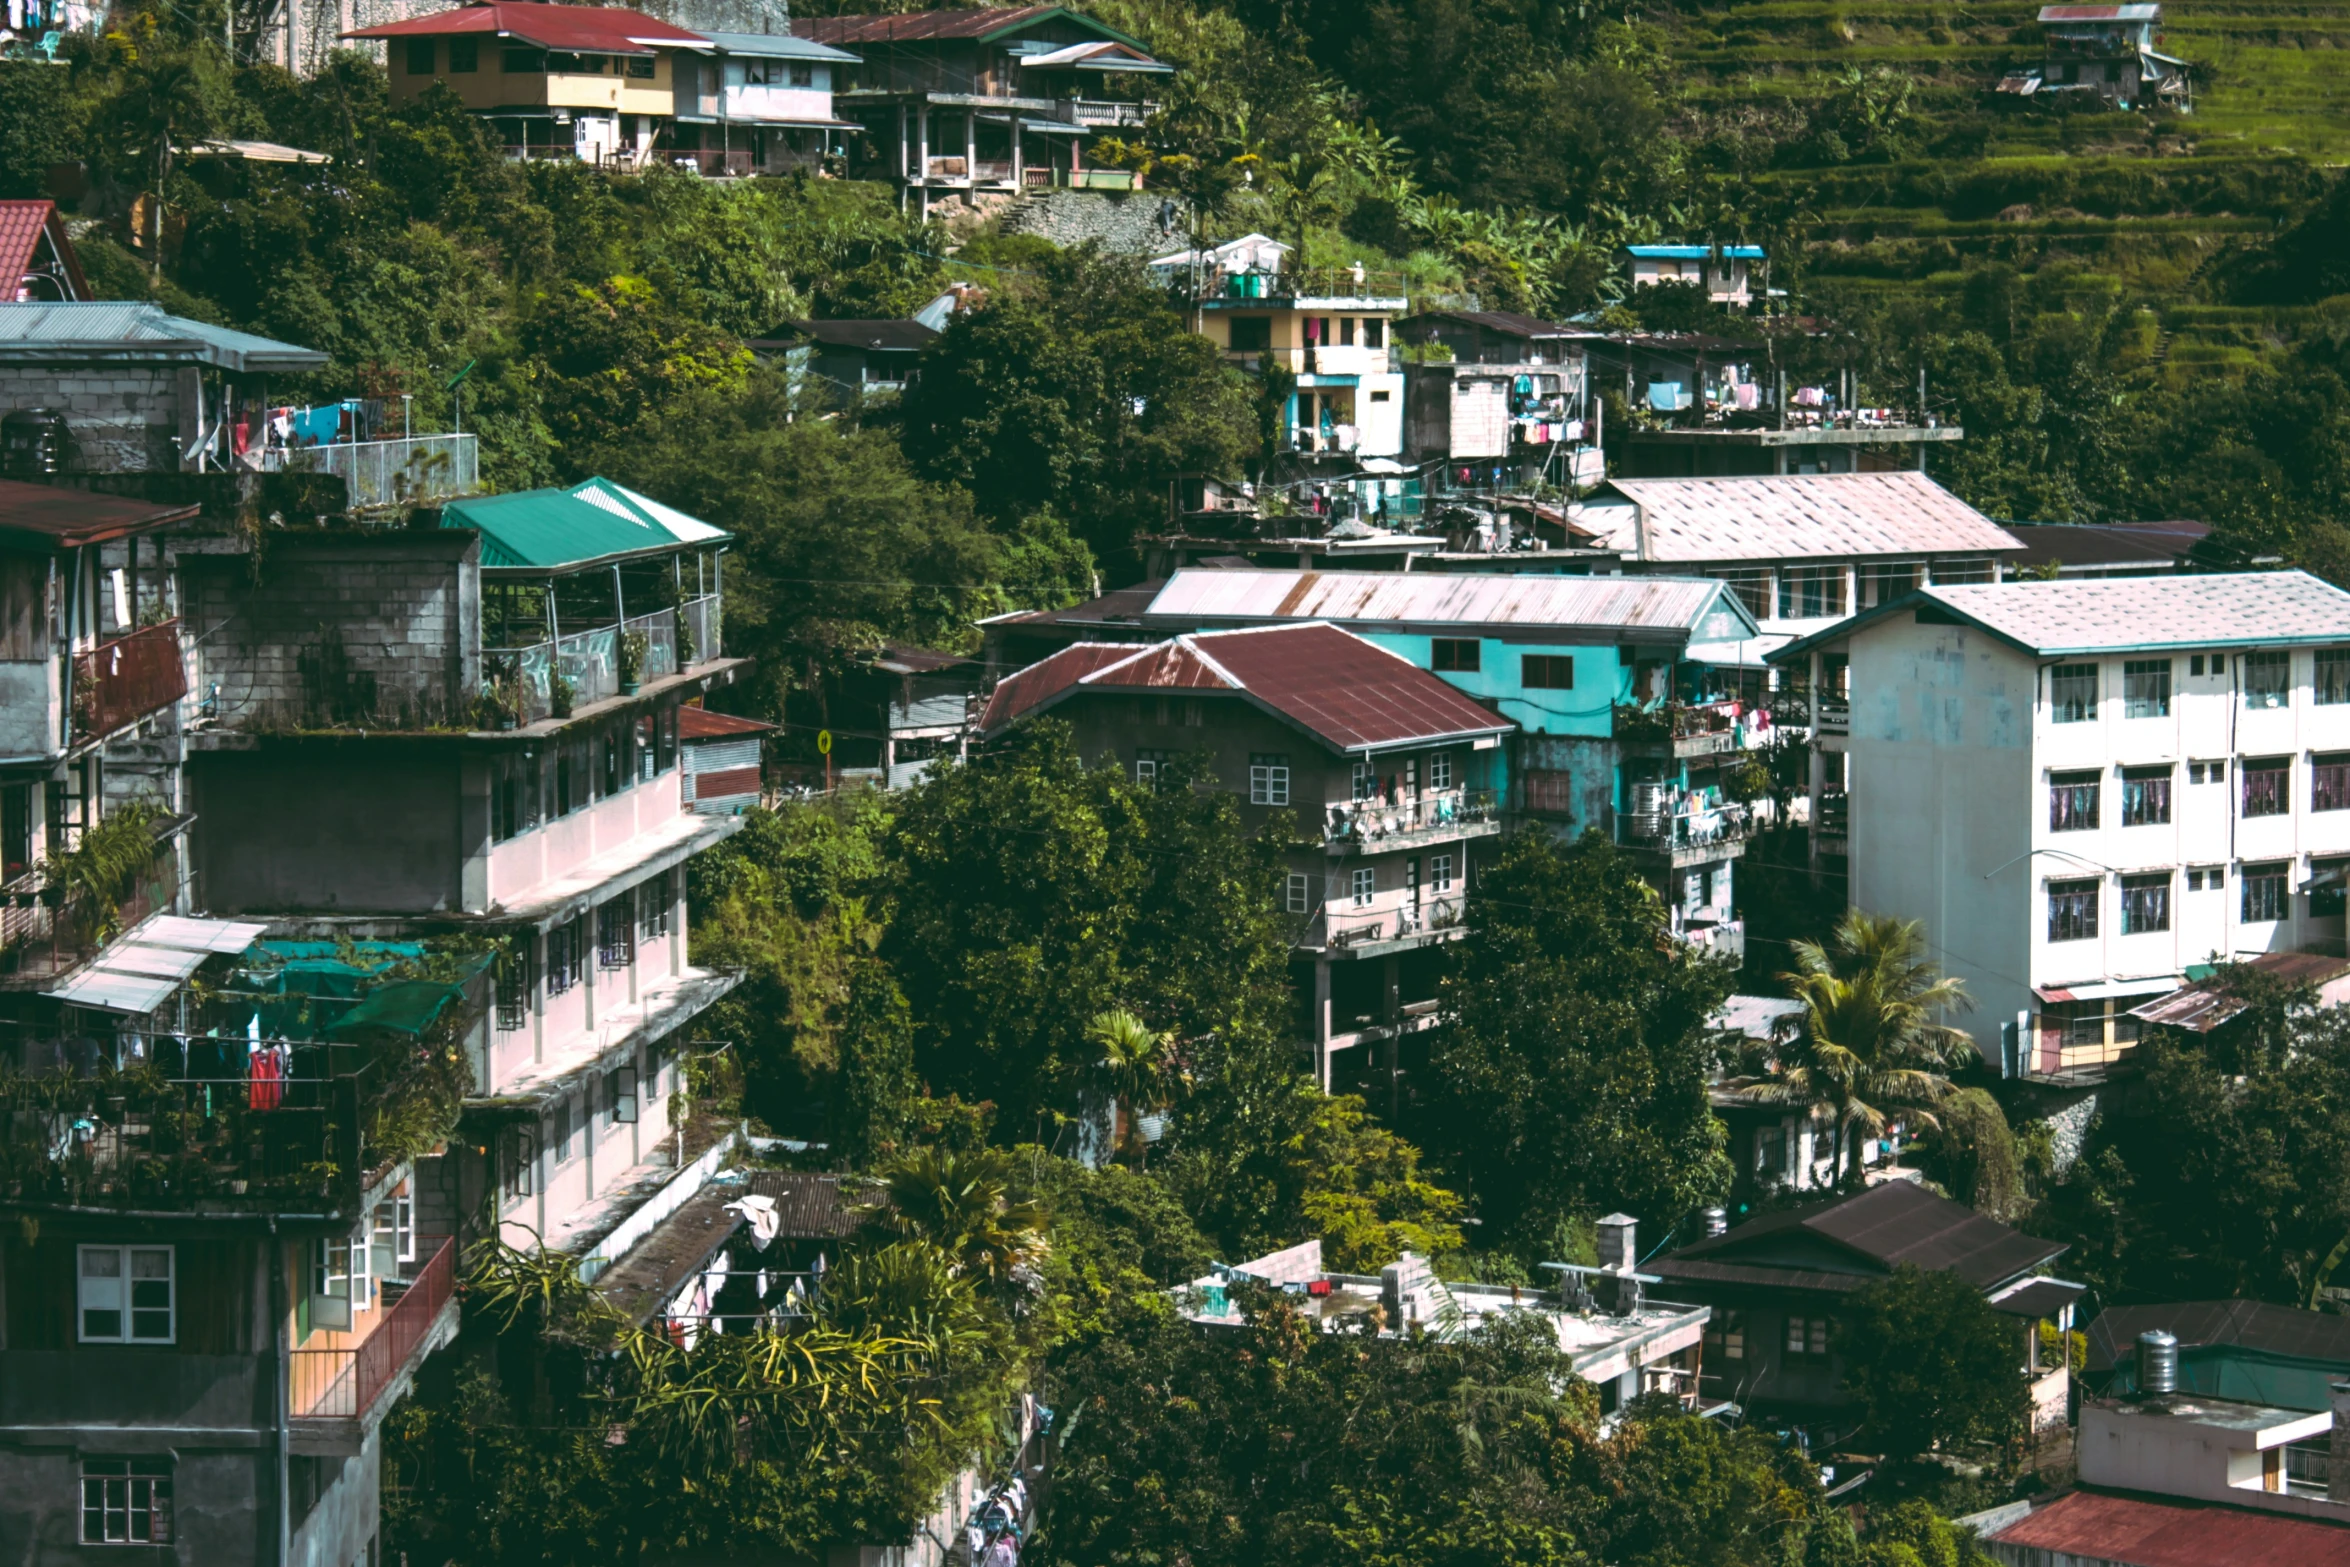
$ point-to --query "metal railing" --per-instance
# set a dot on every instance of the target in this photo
(589, 661)
(1104, 112)
(1688, 829)
(1346, 926)
(120, 682)
(343, 1384)
(43, 935)
(388, 473)
(1373, 821)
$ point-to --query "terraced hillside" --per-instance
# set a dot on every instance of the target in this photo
(2135, 204)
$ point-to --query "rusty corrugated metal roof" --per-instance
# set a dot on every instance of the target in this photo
(50, 516)
(1789, 516)
(2143, 1531)
(1500, 603)
(1350, 694)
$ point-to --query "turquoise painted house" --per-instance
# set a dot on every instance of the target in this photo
(1634, 695)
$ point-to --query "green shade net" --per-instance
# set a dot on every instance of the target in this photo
(2244, 1376)
(405, 1006)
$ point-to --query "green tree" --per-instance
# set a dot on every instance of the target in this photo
(1931, 1363)
(1571, 1075)
(1871, 1037)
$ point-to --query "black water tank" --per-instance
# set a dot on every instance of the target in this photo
(33, 443)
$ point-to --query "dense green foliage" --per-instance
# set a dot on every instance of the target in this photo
(1932, 1364)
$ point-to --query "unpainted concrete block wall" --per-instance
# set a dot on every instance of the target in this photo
(124, 418)
(379, 630)
(1127, 223)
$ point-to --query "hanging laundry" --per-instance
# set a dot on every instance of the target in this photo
(266, 1080)
(1749, 395)
(759, 1212)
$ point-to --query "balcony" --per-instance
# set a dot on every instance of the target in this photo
(1104, 114)
(1343, 927)
(413, 1316)
(52, 924)
(388, 473)
(1690, 729)
(1431, 818)
(1690, 836)
(118, 683)
(1328, 439)
(524, 680)
(1721, 939)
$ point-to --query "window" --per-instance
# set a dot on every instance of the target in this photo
(2268, 679)
(464, 56)
(615, 934)
(419, 56)
(2268, 787)
(2072, 910)
(1455, 655)
(2145, 796)
(521, 1157)
(1811, 592)
(525, 62)
(2145, 903)
(2329, 888)
(2146, 688)
(2330, 685)
(2329, 781)
(1411, 881)
(1375, 336)
(1366, 781)
(1382, 397)
(620, 1095)
(1440, 770)
(1346, 331)
(1548, 672)
(665, 741)
(1881, 582)
(1807, 1338)
(1268, 779)
(126, 1295)
(2207, 772)
(615, 769)
(1725, 1335)
(16, 829)
(563, 1132)
(395, 1228)
(652, 908)
(1366, 883)
(2072, 801)
(1251, 334)
(2201, 878)
(802, 74)
(340, 1282)
(1953, 573)
(1298, 893)
(1752, 584)
(1440, 873)
(514, 978)
(2072, 693)
(506, 800)
(563, 957)
(126, 1501)
(2266, 889)
(567, 790)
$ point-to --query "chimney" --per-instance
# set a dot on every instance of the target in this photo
(2338, 1460)
(1717, 1222)
(2158, 1363)
(1618, 1252)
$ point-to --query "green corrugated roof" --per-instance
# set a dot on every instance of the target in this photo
(564, 530)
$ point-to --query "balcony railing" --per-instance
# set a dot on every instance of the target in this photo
(388, 473)
(1104, 113)
(44, 934)
(118, 683)
(344, 1384)
(589, 661)
(1343, 926)
(1331, 438)
(1701, 828)
(1434, 815)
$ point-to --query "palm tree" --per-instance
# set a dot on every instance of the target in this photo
(1869, 1040)
(963, 1205)
(1135, 1059)
(171, 97)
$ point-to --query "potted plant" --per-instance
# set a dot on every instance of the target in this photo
(632, 661)
(560, 696)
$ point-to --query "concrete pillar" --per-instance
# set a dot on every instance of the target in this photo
(971, 147)
(1320, 1023)
(1020, 170)
(1818, 782)
(921, 172)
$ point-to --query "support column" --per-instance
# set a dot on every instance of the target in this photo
(921, 170)
(1818, 781)
(1321, 1018)
(970, 153)
(1019, 166)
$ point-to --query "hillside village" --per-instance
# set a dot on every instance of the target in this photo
(1172, 783)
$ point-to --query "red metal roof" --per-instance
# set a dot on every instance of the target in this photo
(46, 516)
(580, 29)
(699, 723)
(923, 24)
(21, 225)
(2142, 1531)
(1344, 691)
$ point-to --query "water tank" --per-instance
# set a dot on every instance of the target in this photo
(33, 442)
(2158, 1363)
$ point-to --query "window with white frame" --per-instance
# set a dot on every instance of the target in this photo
(2073, 801)
(1268, 778)
(126, 1501)
(521, 1160)
(1298, 893)
(2072, 910)
(1366, 885)
(563, 943)
(620, 1095)
(616, 933)
(1149, 762)
(2330, 685)
(2146, 688)
(395, 1228)
(652, 908)
(1366, 781)
(2146, 903)
(1440, 873)
(563, 1132)
(2268, 785)
(2267, 893)
(127, 1295)
(2268, 679)
(342, 1279)
(1440, 770)
(2072, 693)
(2146, 795)
(514, 983)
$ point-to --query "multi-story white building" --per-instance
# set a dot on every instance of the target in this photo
(2086, 789)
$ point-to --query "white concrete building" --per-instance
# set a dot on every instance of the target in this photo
(2087, 789)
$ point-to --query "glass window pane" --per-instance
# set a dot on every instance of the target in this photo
(2146, 688)
(2072, 693)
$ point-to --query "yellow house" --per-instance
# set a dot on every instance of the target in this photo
(574, 81)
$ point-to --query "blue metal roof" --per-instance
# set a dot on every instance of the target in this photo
(1695, 252)
(131, 331)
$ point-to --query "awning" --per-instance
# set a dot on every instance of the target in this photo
(2037, 1298)
(1747, 653)
(138, 972)
(2102, 989)
(1054, 127)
